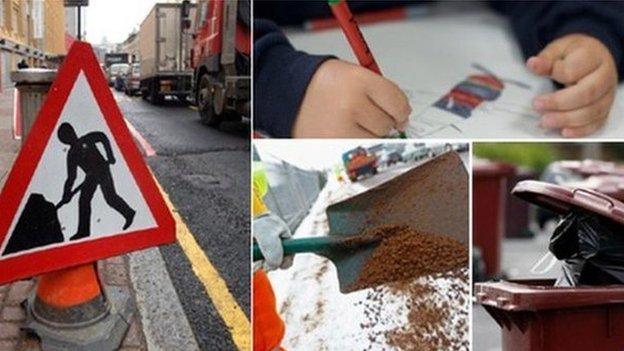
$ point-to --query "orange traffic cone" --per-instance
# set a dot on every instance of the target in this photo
(71, 312)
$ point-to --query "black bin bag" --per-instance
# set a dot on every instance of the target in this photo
(591, 248)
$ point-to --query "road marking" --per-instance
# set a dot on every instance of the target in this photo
(232, 315)
(145, 145)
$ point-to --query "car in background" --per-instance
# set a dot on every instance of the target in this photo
(114, 71)
(414, 152)
(132, 80)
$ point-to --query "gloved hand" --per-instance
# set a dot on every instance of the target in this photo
(269, 230)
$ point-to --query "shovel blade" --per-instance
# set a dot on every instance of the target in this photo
(430, 198)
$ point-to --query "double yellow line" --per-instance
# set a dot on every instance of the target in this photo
(233, 316)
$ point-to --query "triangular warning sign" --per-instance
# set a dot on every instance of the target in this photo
(79, 190)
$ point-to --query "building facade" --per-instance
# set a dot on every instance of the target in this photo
(131, 47)
(32, 31)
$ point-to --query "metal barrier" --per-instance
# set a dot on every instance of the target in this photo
(292, 191)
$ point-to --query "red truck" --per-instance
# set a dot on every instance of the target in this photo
(359, 163)
(220, 58)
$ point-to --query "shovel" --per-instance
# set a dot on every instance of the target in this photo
(430, 198)
(71, 196)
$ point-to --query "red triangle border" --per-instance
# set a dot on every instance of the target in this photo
(80, 58)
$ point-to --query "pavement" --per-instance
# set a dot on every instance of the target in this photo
(191, 295)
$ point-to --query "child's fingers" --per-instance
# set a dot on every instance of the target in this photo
(374, 120)
(580, 117)
(577, 64)
(542, 63)
(360, 132)
(577, 132)
(402, 126)
(539, 66)
(583, 93)
(389, 97)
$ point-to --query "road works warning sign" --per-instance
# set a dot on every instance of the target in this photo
(79, 190)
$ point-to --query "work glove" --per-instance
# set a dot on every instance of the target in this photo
(269, 230)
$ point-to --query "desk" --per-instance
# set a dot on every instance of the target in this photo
(428, 55)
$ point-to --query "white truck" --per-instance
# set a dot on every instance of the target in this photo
(164, 53)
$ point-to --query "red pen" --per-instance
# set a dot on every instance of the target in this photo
(355, 38)
(354, 35)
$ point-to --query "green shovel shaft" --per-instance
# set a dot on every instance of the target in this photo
(302, 245)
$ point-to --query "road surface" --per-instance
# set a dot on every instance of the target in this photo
(205, 172)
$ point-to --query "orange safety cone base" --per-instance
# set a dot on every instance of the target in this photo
(69, 311)
(69, 287)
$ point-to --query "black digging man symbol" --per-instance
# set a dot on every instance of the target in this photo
(39, 225)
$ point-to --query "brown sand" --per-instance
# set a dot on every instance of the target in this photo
(406, 254)
(436, 320)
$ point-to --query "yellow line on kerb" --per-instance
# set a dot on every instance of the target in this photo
(229, 310)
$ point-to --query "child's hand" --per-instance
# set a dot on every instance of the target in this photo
(587, 69)
(344, 100)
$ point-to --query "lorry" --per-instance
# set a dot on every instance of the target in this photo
(220, 58)
(111, 58)
(359, 162)
(163, 54)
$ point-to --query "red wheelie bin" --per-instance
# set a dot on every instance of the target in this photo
(489, 200)
(535, 315)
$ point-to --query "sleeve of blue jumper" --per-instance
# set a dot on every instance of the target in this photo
(537, 23)
(281, 77)
(297, 12)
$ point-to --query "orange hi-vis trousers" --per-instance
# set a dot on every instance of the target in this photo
(268, 327)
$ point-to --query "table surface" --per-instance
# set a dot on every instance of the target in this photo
(430, 53)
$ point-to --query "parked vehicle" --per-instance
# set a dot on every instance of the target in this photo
(164, 57)
(116, 73)
(392, 158)
(111, 59)
(220, 57)
(132, 80)
(414, 152)
(437, 149)
(359, 162)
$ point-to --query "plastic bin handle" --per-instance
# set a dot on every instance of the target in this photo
(595, 194)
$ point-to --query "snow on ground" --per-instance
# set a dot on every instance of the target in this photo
(317, 315)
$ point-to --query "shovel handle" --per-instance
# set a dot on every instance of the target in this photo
(301, 245)
(74, 192)
(318, 245)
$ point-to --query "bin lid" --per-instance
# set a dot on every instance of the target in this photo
(562, 199)
(33, 75)
(536, 295)
(612, 185)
